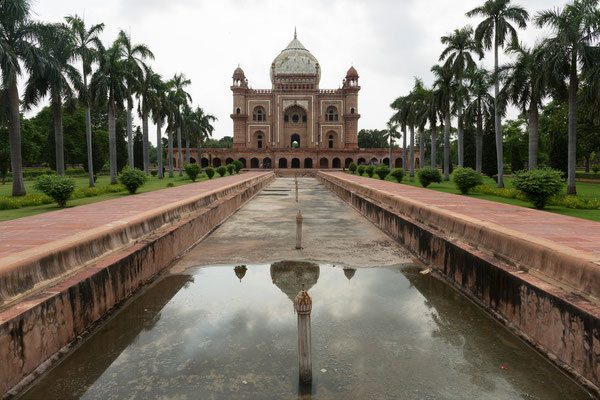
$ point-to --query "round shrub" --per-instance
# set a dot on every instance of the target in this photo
(210, 172)
(170, 184)
(221, 170)
(370, 170)
(352, 167)
(466, 179)
(132, 179)
(397, 174)
(361, 169)
(230, 168)
(596, 169)
(192, 170)
(154, 172)
(382, 171)
(429, 175)
(538, 185)
(238, 166)
(59, 187)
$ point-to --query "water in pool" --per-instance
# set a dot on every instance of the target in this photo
(377, 333)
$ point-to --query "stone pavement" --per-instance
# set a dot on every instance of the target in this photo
(576, 233)
(25, 233)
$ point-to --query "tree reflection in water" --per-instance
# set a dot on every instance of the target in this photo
(293, 276)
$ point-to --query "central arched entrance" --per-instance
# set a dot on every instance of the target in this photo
(283, 163)
(295, 163)
(295, 141)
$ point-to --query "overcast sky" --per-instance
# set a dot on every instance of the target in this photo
(389, 42)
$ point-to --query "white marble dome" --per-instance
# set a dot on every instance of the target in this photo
(295, 60)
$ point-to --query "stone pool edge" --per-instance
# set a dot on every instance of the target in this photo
(38, 327)
(562, 325)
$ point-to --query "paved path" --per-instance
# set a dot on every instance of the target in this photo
(577, 233)
(25, 233)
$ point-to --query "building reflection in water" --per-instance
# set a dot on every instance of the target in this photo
(240, 271)
(293, 276)
(349, 272)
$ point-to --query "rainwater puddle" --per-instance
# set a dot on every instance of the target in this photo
(378, 333)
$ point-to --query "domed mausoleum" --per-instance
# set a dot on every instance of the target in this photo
(295, 123)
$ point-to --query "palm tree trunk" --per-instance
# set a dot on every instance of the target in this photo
(88, 136)
(497, 122)
(479, 142)
(159, 150)
(58, 134)
(433, 144)
(129, 133)
(533, 134)
(447, 146)
(200, 151)
(170, 153)
(461, 156)
(180, 152)
(187, 150)
(404, 147)
(145, 143)
(412, 151)
(572, 147)
(112, 141)
(14, 138)
(391, 145)
(421, 147)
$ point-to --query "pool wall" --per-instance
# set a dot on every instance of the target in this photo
(500, 272)
(35, 329)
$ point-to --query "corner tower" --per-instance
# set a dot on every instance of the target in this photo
(239, 115)
(351, 115)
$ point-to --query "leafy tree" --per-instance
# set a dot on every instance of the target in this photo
(391, 133)
(87, 44)
(571, 50)
(493, 32)
(459, 58)
(515, 143)
(372, 139)
(553, 130)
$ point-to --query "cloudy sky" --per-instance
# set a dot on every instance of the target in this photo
(389, 42)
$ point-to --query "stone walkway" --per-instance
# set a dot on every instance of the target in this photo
(24, 233)
(576, 233)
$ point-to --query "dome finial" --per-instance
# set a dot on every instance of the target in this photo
(295, 36)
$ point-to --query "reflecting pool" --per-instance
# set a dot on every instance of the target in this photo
(223, 332)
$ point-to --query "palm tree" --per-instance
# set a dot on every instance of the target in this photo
(480, 104)
(17, 50)
(148, 93)
(57, 78)
(493, 32)
(526, 86)
(402, 107)
(87, 44)
(419, 113)
(459, 46)
(180, 97)
(431, 113)
(203, 128)
(444, 88)
(391, 133)
(171, 112)
(186, 122)
(108, 87)
(134, 56)
(157, 103)
(576, 28)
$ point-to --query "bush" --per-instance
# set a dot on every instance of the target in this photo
(596, 169)
(210, 172)
(238, 166)
(466, 179)
(154, 172)
(429, 175)
(361, 169)
(132, 179)
(221, 170)
(352, 167)
(538, 185)
(382, 171)
(192, 170)
(397, 174)
(170, 184)
(230, 168)
(370, 170)
(58, 187)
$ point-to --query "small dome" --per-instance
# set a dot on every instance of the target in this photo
(352, 73)
(296, 60)
(238, 73)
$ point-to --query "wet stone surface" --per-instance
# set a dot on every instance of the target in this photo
(377, 333)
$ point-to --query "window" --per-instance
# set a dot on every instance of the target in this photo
(237, 111)
(331, 114)
(304, 118)
(352, 110)
(331, 141)
(286, 118)
(295, 118)
(259, 114)
(260, 141)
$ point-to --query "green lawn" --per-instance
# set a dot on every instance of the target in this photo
(585, 190)
(152, 184)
